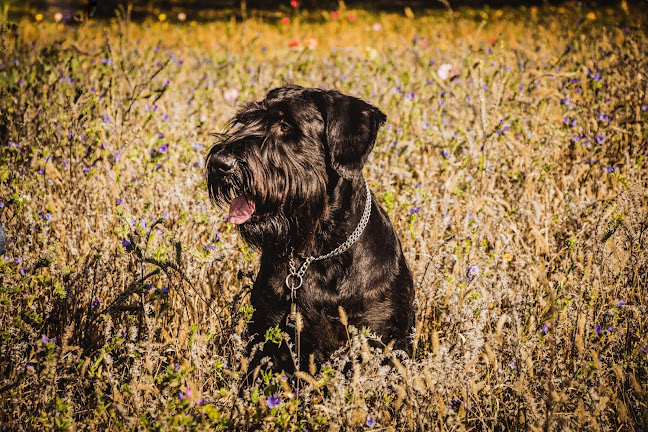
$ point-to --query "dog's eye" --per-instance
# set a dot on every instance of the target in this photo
(285, 127)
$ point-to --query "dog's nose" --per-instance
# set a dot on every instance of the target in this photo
(221, 164)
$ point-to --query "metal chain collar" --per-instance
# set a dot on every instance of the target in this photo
(294, 280)
(295, 277)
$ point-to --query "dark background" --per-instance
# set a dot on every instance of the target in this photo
(106, 8)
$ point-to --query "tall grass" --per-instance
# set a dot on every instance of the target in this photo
(517, 183)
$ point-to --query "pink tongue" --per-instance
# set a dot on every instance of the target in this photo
(240, 210)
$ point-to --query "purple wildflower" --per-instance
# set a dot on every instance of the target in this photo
(164, 148)
(609, 329)
(620, 303)
(410, 96)
(511, 364)
(273, 401)
(600, 138)
(426, 125)
(598, 329)
(46, 340)
(126, 243)
(165, 117)
(371, 422)
(118, 201)
(445, 153)
(106, 119)
(604, 117)
(415, 210)
(95, 303)
(545, 329)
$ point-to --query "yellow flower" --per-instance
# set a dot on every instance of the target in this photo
(39, 17)
(507, 257)
(162, 17)
(591, 16)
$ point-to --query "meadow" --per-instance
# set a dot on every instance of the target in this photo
(513, 165)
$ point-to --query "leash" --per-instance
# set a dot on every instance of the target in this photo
(295, 278)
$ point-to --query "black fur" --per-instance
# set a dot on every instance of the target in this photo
(298, 156)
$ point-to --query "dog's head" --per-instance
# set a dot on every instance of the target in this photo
(280, 158)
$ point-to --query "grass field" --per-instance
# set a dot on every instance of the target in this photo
(513, 165)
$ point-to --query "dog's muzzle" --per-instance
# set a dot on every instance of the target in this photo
(241, 208)
(221, 164)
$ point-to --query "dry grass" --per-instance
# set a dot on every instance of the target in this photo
(528, 245)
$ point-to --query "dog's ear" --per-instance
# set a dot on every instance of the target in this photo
(351, 126)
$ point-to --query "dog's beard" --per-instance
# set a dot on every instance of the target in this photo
(290, 222)
(272, 215)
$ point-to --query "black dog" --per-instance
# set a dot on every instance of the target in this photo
(291, 168)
